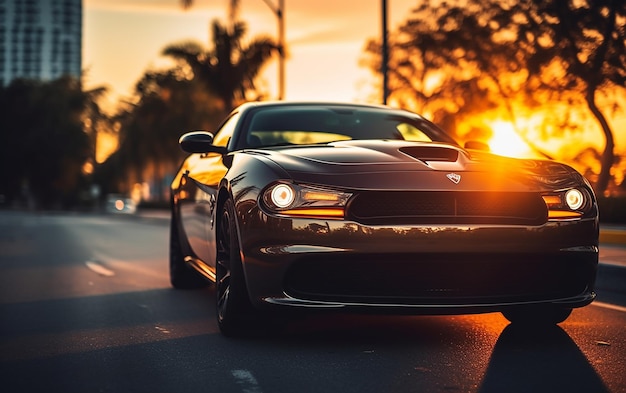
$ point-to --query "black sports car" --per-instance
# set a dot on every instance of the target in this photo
(367, 208)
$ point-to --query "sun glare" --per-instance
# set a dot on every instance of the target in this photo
(505, 141)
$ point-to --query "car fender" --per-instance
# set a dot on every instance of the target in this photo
(248, 174)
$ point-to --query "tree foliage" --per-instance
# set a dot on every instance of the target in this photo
(456, 59)
(166, 106)
(229, 68)
(43, 145)
(587, 40)
(196, 94)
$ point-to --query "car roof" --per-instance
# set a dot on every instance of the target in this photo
(278, 104)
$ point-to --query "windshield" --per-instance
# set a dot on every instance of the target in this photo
(301, 125)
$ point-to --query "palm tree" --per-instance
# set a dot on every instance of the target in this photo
(230, 67)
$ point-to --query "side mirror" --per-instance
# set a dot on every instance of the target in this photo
(199, 142)
(476, 145)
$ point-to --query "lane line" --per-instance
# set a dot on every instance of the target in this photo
(609, 306)
(246, 380)
(99, 269)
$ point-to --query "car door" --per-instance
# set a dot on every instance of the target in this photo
(200, 180)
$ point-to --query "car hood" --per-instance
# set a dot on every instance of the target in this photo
(402, 165)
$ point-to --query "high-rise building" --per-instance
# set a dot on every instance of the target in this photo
(40, 39)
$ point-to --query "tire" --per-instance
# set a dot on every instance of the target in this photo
(232, 303)
(537, 316)
(181, 275)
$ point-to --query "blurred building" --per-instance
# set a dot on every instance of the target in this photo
(40, 39)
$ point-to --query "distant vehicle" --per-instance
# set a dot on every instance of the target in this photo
(367, 208)
(120, 204)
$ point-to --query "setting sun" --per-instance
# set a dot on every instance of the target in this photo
(505, 141)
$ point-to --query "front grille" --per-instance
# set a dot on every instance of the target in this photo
(443, 207)
(440, 279)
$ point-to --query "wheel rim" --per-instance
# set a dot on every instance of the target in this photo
(223, 266)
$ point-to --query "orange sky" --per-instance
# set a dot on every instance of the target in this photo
(325, 38)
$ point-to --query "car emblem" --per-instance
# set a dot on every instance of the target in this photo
(454, 177)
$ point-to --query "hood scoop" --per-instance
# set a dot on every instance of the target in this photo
(431, 153)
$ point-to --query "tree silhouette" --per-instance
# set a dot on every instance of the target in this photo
(588, 42)
(43, 145)
(166, 105)
(196, 94)
(482, 54)
(229, 68)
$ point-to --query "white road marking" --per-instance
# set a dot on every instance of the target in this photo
(609, 306)
(99, 269)
(246, 380)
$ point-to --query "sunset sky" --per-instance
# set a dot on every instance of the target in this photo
(325, 39)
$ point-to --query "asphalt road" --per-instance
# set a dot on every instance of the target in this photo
(85, 306)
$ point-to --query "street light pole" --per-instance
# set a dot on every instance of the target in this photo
(385, 53)
(279, 11)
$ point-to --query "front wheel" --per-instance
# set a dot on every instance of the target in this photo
(233, 306)
(538, 315)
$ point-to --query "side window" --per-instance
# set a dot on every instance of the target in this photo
(223, 135)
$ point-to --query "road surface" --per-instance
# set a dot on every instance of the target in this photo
(86, 306)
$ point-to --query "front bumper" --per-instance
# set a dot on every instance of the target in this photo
(320, 264)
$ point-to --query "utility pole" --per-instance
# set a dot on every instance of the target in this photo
(279, 11)
(385, 53)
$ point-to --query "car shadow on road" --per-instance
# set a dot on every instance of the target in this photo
(543, 359)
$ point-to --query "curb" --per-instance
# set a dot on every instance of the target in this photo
(612, 236)
(154, 214)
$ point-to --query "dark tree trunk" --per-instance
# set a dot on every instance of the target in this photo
(608, 155)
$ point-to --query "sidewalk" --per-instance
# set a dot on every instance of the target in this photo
(613, 245)
(613, 234)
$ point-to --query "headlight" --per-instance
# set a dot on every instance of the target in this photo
(282, 195)
(568, 204)
(297, 200)
(574, 199)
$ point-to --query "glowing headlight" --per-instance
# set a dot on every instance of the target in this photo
(573, 203)
(297, 200)
(282, 195)
(574, 199)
